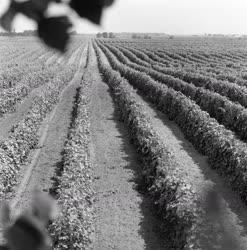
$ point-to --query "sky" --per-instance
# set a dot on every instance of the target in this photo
(162, 16)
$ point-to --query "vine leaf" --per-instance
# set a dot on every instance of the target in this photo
(29, 8)
(90, 9)
(33, 9)
(7, 19)
(54, 31)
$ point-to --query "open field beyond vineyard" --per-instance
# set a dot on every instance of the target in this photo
(142, 142)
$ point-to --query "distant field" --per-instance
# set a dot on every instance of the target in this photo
(141, 141)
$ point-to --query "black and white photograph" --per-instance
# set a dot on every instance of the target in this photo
(123, 125)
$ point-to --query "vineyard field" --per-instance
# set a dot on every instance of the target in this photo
(142, 142)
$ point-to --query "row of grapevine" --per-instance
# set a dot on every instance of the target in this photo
(11, 75)
(167, 181)
(29, 55)
(209, 70)
(72, 230)
(225, 152)
(18, 82)
(230, 114)
(215, 70)
(23, 137)
(11, 96)
(231, 90)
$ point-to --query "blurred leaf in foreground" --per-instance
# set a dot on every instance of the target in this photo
(90, 9)
(54, 31)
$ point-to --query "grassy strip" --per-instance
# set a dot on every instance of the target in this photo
(72, 187)
(225, 153)
(178, 205)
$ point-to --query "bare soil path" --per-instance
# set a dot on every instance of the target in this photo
(123, 217)
(53, 133)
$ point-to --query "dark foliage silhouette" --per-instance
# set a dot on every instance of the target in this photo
(58, 39)
(28, 230)
(92, 10)
(54, 31)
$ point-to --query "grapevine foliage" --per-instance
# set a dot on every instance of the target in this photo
(54, 31)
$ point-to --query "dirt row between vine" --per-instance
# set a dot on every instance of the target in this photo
(123, 217)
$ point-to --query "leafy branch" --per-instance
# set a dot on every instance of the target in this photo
(54, 31)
